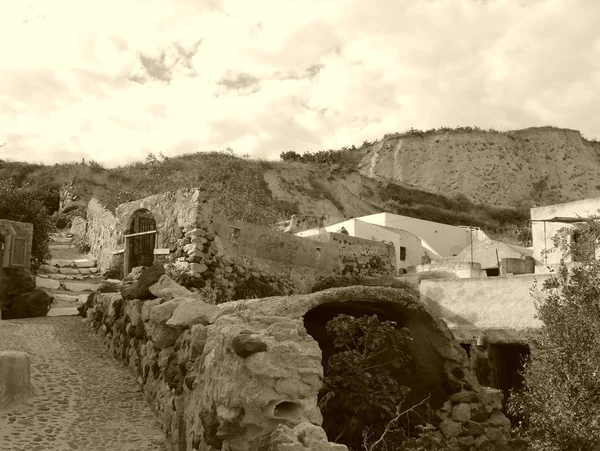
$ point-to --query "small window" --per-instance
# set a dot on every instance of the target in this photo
(18, 251)
(402, 253)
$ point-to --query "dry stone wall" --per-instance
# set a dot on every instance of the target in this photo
(245, 375)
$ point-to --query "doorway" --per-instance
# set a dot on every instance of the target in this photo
(140, 240)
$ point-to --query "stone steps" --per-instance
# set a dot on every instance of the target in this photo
(51, 284)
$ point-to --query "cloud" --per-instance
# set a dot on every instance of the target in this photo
(113, 81)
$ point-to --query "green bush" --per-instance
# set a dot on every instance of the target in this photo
(17, 204)
(560, 401)
(359, 389)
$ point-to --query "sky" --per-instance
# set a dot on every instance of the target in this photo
(115, 80)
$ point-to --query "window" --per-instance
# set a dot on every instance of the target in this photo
(402, 253)
(18, 251)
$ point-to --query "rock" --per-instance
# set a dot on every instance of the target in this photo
(168, 289)
(473, 428)
(161, 313)
(461, 412)
(303, 437)
(147, 307)
(162, 336)
(192, 311)
(30, 305)
(466, 441)
(245, 345)
(478, 412)
(491, 397)
(140, 288)
(450, 428)
(78, 286)
(480, 441)
(199, 333)
(57, 276)
(50, 284)
(493, 433)
(109, 287)
(463, 396)
(134, 312)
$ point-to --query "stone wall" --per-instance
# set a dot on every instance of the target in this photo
(517, 266)
(173, 211)
(102, 234)
(449, 268)
(245, 375)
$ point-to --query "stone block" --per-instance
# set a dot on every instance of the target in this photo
(84, 263)
(57, 276)
(79, 286)
(69, 271)
(147, 307)
(168, 289)
(450, 428)
(49, 269)
(47, 283)
(191, 311)
(61, 263)
(461, 412)
(161, 313)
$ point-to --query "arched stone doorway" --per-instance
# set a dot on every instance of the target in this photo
(140, 240)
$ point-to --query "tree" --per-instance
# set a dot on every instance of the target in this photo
(560, 401)
(21, 205)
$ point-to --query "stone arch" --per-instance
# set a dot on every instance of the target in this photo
(139, 243)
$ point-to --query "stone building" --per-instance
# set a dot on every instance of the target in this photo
(180, 228)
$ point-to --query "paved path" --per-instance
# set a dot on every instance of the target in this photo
(85, 399)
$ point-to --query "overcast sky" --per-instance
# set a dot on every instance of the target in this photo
(114, 80)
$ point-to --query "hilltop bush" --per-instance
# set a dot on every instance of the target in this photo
(560, 401)
(18, 204)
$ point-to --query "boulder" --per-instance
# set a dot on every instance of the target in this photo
(29, 305)
(108, 286)
(147, 307)
(140, 288)
(190, 311)
(168, 289)
(161, 313)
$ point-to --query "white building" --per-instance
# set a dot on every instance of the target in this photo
(547, 221)
(408, 247)
(443, 239)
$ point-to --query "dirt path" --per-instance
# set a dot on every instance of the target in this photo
(85, 400)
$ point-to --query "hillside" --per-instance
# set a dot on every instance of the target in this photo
(541, 165)
(462, 176)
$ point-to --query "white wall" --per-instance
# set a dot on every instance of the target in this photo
(444, 239)
(542, 239)
(400, 238)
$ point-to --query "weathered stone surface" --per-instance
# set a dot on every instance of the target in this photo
(57, 276)
(168, 289)
(83, 263)
(49, 269)
(199, 334)
(233, 383)
(245, 345)
(61, 263)
(79, 286)
(302, 437)
(107, 286)
(140, 289)
(47, 283)
(161, 313)
(162, 336)
(450, 428)
(190, 311)
(461, 412)
(147, 307)
(68, 271)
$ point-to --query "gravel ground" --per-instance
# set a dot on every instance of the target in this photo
(84, 398)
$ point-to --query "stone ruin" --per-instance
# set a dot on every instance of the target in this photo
(245, 375)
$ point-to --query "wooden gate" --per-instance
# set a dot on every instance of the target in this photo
(140, 242)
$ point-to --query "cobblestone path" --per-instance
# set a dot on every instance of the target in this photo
(84, 398)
